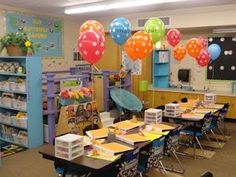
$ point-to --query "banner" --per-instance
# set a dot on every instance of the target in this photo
(45, 33)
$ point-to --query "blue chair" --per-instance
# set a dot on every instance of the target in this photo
(129, 164)
(151, 156)
(171, 146)
(218, 120)
(200, 131)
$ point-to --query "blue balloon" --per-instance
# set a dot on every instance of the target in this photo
(120, 30)
(214, 50)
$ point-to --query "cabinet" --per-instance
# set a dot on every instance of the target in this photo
(21, 93)
(161, 68)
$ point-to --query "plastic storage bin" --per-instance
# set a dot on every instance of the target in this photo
(18, 87)
(153, 116)
(172, 110)
(4, 85)
(69, 146)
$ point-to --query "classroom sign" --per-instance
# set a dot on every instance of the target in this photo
(45, 33)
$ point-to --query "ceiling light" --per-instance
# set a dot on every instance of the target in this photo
(224, 30)
(115, 5)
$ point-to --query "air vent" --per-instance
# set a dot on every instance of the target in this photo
(141, 22)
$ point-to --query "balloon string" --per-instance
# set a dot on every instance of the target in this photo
(92, 80)
(152, 97)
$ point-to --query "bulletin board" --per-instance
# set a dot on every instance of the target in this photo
(224, 67)
(45, 33)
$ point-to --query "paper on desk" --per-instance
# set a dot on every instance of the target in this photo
(104, 156)
(151, 136)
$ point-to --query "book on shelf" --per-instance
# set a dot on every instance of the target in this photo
(112, 148)
(132, 138)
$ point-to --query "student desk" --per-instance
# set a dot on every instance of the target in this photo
(87, 164)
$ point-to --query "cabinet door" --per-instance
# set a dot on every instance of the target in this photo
(155, 98)
(232, 109)
(169, 97)
(191, 96)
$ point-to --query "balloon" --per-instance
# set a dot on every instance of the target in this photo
(92, 25)
(193, 47)
(214, 50)
(156, 28)
(142, 44)
(91, 46)
(203, 58)
(130, 49)
(173, 37)
(203, 41)
(179, 52)
(120, 30)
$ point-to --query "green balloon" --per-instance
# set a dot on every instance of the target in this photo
(156, 28)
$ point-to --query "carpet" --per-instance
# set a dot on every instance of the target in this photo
(8, 149)
(212, 144)
(207, 154)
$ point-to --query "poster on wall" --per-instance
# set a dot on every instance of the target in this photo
(129, 65)
(45, 33)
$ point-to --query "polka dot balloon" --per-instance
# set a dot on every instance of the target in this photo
(130, 49)
(173, 37)
(91, 46)
(203, 58)
(179, 52)
(193, 47)
(203, 41)
(92, 25)
(142, 44)
(120, 30)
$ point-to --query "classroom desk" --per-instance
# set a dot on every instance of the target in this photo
(194, 120)
(90, 165)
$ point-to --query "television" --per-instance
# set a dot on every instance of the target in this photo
(184, 75)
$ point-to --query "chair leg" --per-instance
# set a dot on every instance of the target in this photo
(163, 168)
(200, 145)
(222, 133)
(179, 162)
(207, 137)
(215, 137)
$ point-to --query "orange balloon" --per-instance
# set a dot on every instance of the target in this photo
(194, 47)
(179, 52)
(142, 44)
(130, 50)
(92, 25)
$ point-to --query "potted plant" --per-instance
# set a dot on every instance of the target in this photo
(16, 44)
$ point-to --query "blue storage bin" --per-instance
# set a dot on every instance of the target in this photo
(65, 102)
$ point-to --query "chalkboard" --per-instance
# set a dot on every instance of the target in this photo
(223, 68)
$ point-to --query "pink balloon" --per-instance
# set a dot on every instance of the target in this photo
(91, 46)
(203, 58)
(203, 41)
(173, 37)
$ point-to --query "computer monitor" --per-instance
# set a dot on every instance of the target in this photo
(184, 75)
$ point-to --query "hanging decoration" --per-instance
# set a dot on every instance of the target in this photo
(91, 46)
(92, 25)
(179, 52)
(203, 58)
(173, 37)
(156, 28)
(193, 47)
(214, 50)
(203, 41)
(120, 30)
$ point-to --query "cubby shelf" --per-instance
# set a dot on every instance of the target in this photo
(33, 97)
(161, 67)
(12, 91)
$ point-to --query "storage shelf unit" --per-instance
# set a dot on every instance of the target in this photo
(33, 94)
(161, 68)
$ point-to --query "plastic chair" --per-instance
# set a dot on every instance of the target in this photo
(171, 146)
(207, 174)
(129, 164)
(151, 156)
(184, 100)
(199, 131)
(218, 121)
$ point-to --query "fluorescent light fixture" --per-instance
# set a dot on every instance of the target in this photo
(225, 30)
(115, 5)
